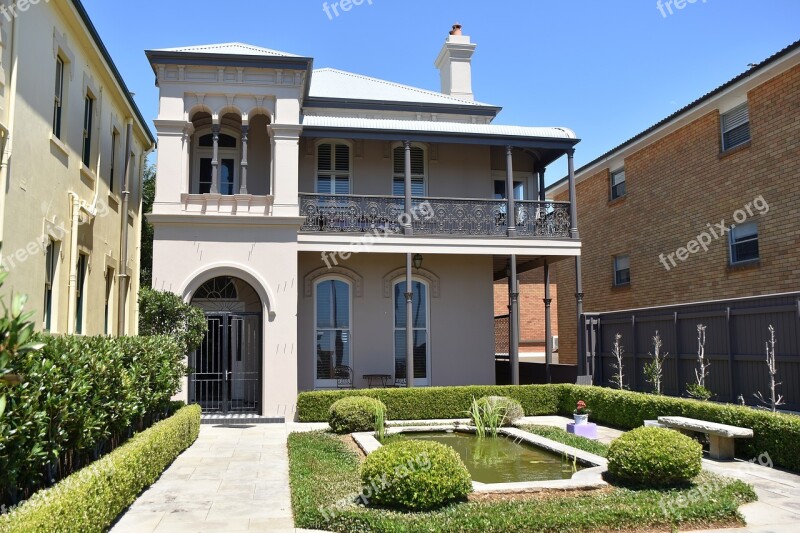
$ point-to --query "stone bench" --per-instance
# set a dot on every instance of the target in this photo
(720, 435)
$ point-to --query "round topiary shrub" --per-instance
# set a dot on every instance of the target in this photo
(655, 457)
(415, 475)
(511, 410)
(354, 413)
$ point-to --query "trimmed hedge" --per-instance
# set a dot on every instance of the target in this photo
(92, 498)
(354, 413)
(430, 402)
(80, 397)
(655, 457)
(774, 433)
(415, 475)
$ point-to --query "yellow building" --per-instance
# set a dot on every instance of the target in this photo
(74, 146)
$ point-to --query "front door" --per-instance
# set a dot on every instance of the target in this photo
(226, 369)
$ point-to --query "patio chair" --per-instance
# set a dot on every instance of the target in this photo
(344, 377)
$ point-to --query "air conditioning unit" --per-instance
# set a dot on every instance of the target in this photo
(555, 343)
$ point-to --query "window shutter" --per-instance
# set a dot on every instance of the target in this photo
(324, 157)
(342, 158)
(417, 161)
(735, 127)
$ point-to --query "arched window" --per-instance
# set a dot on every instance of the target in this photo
(421, 324)
(418, 174)
(333, 168)
(332, 329)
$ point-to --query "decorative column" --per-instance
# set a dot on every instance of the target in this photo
(408, 228)
(513, 320)
(243, 181)
(512, 215)
(215, 160)
(548, 324)
(409, 321)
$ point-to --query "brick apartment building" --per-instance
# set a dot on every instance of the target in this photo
(703, 206)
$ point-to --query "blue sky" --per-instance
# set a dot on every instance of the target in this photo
(608, 69)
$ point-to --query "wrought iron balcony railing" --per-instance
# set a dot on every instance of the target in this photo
(432, 216)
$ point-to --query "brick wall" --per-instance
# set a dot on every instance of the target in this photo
(531, 307)
(675, 187)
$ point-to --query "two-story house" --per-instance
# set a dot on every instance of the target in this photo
(342, 229)
(74, 146)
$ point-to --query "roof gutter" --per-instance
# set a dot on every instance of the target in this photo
(113, 68)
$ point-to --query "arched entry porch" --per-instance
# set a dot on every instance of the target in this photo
(226, 371)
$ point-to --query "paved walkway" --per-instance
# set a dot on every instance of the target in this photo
(236, 478)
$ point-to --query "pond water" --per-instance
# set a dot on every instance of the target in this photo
(501, 460)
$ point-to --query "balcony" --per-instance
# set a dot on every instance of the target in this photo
(457, 217)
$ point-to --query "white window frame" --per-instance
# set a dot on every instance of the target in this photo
(732, 244)
(418, 382)
(331, 173)
(624, 181)
(426, 167)
(617, 283)
(331, 383)
(728, 128)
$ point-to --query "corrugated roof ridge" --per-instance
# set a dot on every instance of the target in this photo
(402, 86)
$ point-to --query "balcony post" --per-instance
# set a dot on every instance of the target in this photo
(215, 160)
(573, 211)
(548, 324)
(542, 189)
(409, 322)
(573, 207)
(513, 320)
(408, 228)
(243, 184)
(512, 215)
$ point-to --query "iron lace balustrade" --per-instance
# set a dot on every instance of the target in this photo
(431, 216)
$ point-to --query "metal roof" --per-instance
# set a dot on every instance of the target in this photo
(426, 126)
(240, 49)
(334, 83)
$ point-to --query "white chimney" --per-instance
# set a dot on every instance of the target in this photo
(455, 65)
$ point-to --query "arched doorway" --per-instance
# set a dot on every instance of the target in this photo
(226, 371)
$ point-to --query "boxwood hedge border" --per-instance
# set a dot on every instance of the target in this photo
(93, 497)
(777, 434)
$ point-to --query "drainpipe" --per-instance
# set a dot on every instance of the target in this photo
(123, 248)
(7, 132)
(75, 214)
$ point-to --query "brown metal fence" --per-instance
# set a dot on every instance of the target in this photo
(501, 333)
(736, 332)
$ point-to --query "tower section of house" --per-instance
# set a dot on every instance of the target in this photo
(335, 226)
(702, 207)
(74, 147)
